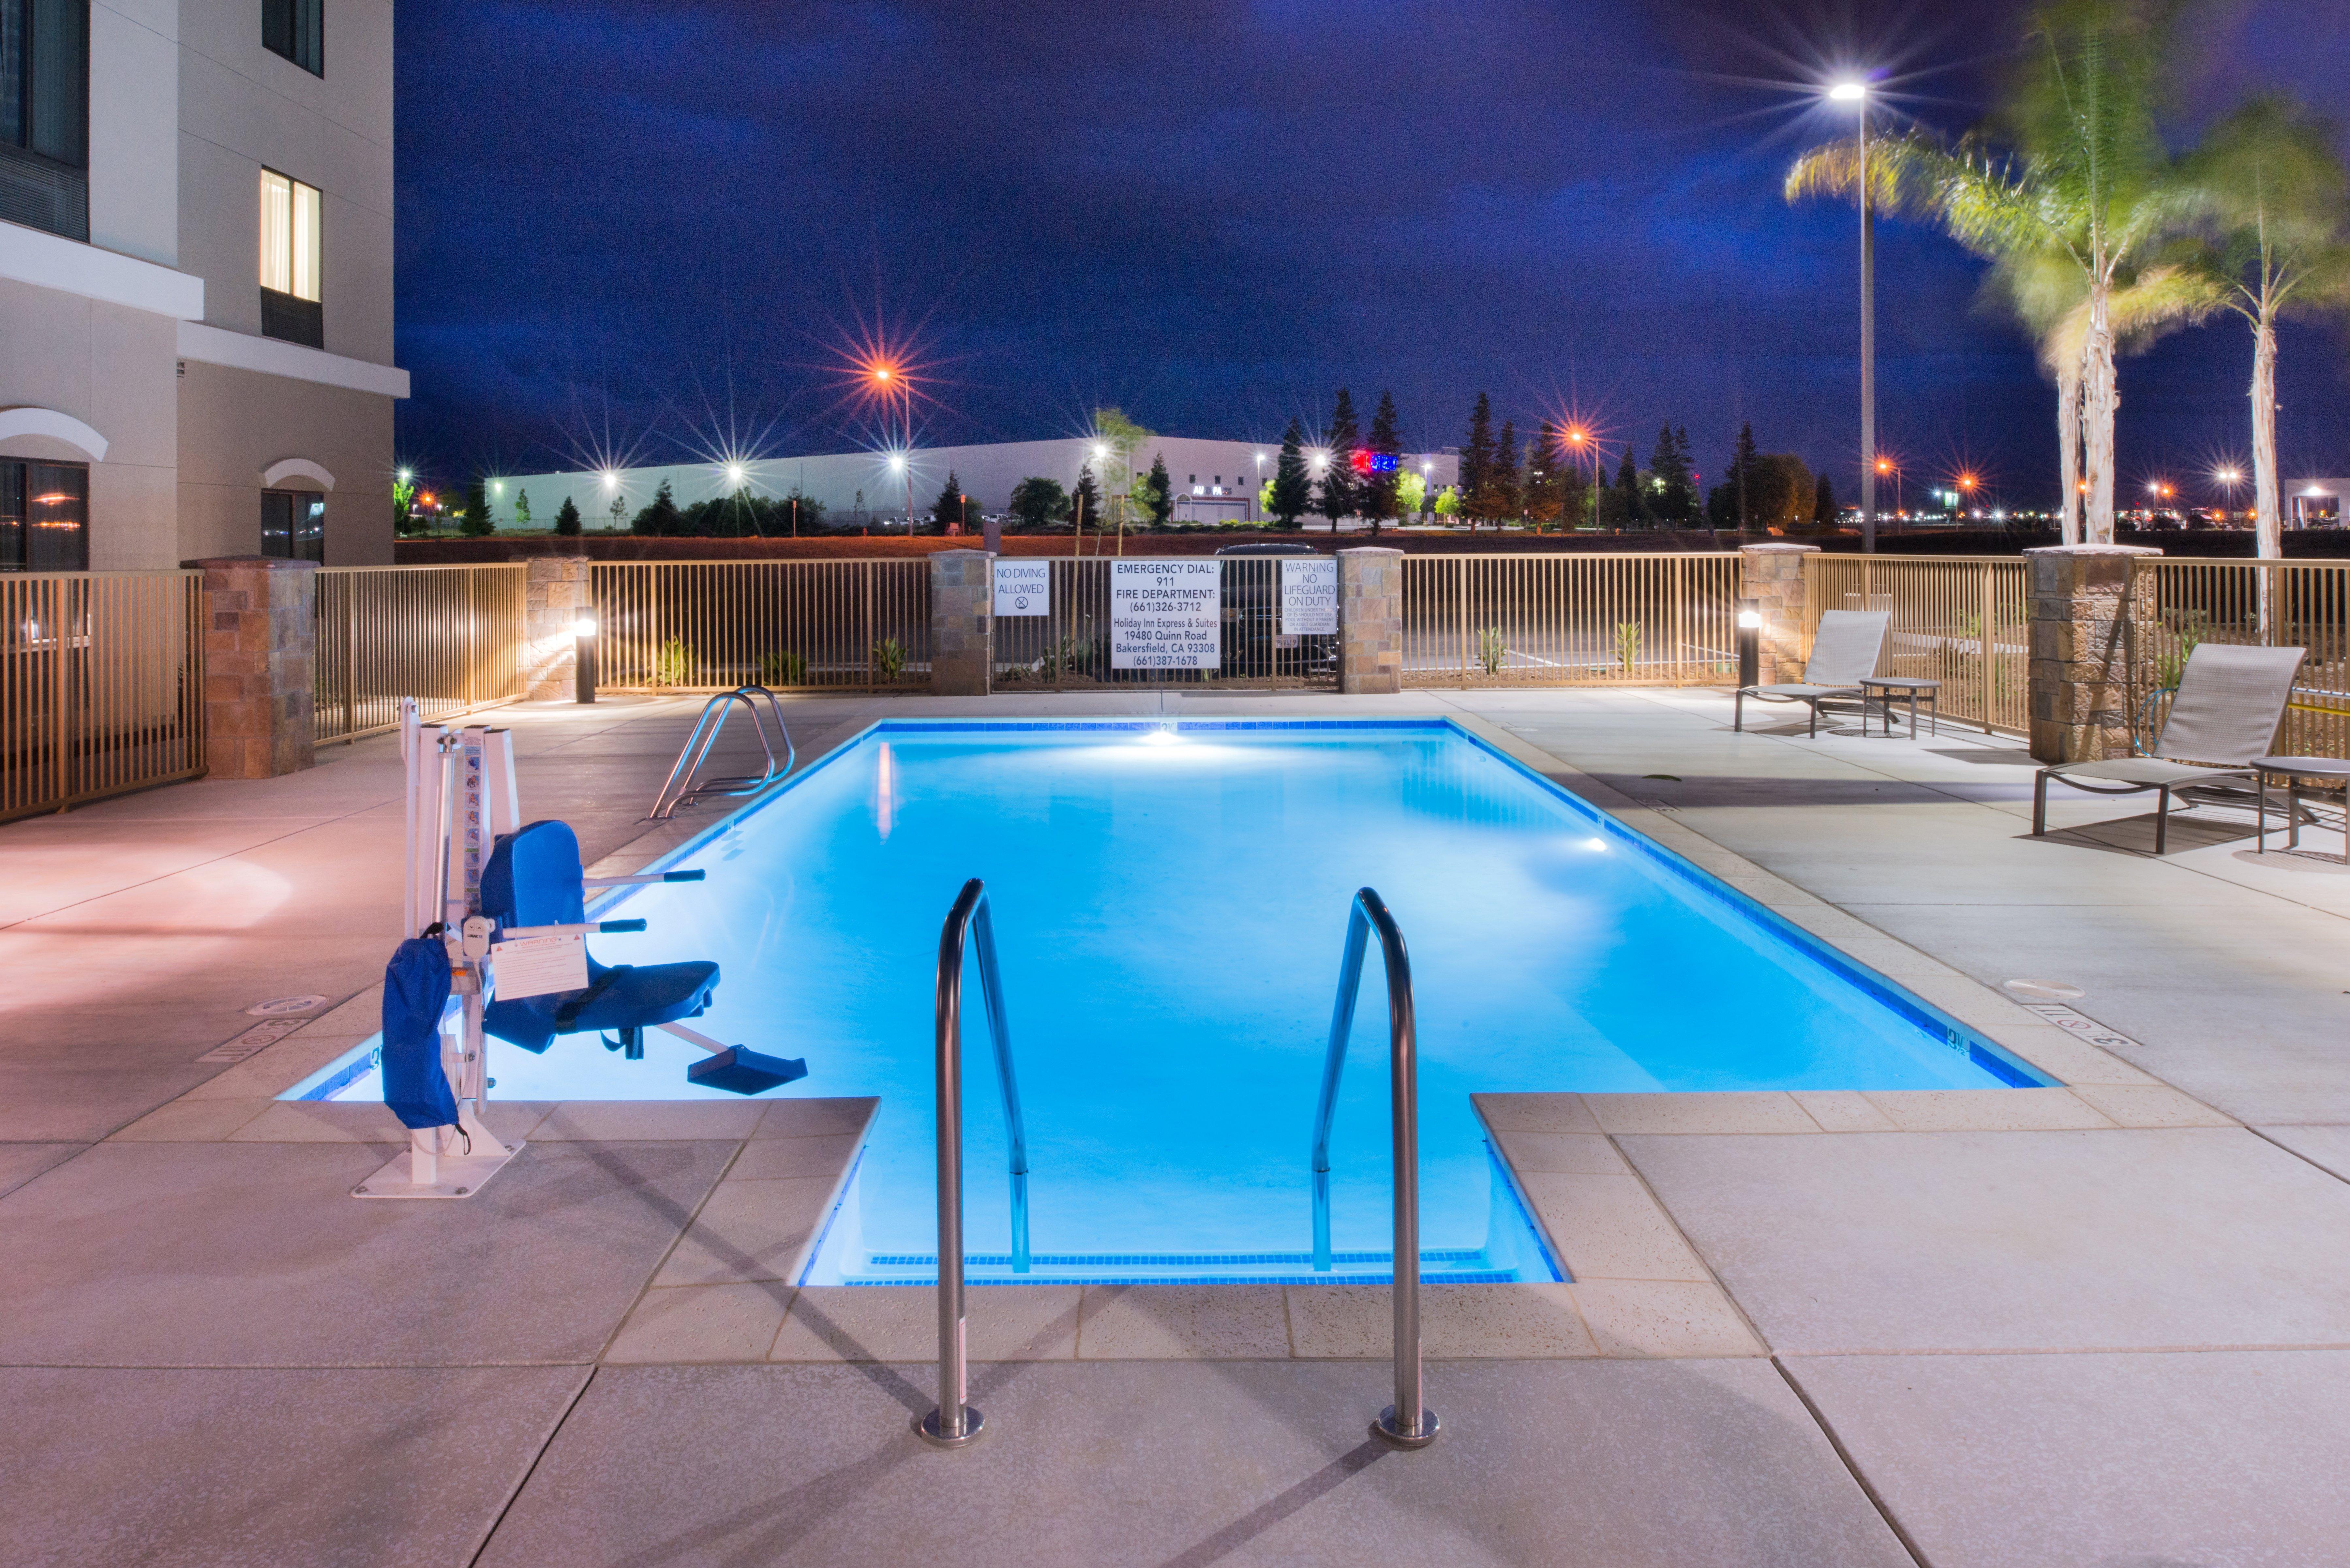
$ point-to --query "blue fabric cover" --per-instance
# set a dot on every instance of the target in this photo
(415, 994)
(534, 878)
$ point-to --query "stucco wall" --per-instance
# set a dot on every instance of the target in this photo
(235, 423)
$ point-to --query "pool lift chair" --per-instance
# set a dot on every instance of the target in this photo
(2230, 702)
(1846, 650)
(495, 945)
(533, 888)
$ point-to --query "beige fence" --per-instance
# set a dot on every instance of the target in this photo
(101, 685)
(1067, 645)
(1570, 620)
(706, 626)
(2177, 604)
(1958, 620)
(449, 637)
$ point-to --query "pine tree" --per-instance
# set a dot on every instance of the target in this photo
(522, 509)
(1630, 505)
(948, 508)
(1293, 494)
(1158, 491)
(1741, 473)
(1085, 500)
(1477, 462)
(477, 522)
(660, 518)
(1670, 469)
(567, 519)
(1378, 489)
(1545, 469)
(1508, 495)
(1341, 489)
(1824, 505)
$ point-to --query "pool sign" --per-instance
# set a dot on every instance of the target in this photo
(1166, 615)
(1309, 597)
(1024, 588)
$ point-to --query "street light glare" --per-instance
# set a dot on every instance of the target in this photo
(896, 463)
(734, 473)
(1848, 92)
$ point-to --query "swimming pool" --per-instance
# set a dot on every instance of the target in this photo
(1169, 903)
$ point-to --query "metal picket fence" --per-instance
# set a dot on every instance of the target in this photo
(708, 626)
(1651, 620)
(449, 637)
(101, 685)
(1065, 645)
(2176, 604)
(1958, 620)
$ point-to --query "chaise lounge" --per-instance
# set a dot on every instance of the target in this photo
(1845, 651)
(2230, 703)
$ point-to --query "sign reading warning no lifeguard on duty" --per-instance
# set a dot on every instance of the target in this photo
(1165, 615)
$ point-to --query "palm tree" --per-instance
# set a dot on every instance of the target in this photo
(2275, 204)
(2082, 190)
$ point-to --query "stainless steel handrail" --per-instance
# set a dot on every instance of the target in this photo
(954, 1423)
(1409, 1422)
(678, 789)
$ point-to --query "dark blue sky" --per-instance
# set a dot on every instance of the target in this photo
(630, 231)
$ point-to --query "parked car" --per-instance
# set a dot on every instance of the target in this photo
(1254, 642)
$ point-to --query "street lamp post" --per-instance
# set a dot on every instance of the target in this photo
(1856, 94)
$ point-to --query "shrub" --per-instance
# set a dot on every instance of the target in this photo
(1491, 649)
(1628, 644)
(888, 659)
(783, 668)
(673, 662)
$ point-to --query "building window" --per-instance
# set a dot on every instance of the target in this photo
(44, 516)
(296, 29)
(289, 261)
(45, 115)
(294, 524)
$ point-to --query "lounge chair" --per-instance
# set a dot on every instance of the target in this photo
(2229, 702)
(1845, 651)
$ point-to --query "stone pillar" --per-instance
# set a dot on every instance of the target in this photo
(555, 595)
(260, 646)
(1370, 620)
(2081, 609)
(962, 623)
(1772, 576)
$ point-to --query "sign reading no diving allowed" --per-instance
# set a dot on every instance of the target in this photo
(1165, 615)
(1024, 588)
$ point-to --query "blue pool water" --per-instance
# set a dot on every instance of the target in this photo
(1169, 903)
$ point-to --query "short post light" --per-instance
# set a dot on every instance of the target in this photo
(583, 660)
(1750, 642)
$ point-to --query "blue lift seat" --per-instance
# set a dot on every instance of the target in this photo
(535, 879)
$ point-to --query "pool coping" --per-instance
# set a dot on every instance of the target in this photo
(1640, 1289)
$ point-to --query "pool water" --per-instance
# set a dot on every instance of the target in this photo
(1171, 902)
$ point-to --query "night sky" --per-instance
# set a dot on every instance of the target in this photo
(637, 233)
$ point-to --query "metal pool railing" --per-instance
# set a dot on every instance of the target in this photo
(2177, 605)
(1067, 647)
(449, 637)
(1654, 620)
(101, 685)
(711, 626)
(1961, 620)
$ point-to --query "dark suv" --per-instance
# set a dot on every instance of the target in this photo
(1254, 644)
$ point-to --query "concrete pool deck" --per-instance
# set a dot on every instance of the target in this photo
(2106, 1324)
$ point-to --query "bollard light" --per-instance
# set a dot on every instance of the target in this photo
(1750, 642)
(583, 660)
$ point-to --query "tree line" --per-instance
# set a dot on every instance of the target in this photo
(2102, 236)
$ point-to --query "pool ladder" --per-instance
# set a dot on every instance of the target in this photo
(1409, 1422)
(679, 788)
(955, 1423)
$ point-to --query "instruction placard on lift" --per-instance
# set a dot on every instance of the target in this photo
(1165, 615)
(538, 965)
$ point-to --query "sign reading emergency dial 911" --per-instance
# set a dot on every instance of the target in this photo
(1165, 615)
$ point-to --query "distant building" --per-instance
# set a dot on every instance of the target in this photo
(195, 281)
(2315, 502)
(1212, 480)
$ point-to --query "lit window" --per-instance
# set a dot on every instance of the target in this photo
(294, 29)
(44, 516)
(290, 261)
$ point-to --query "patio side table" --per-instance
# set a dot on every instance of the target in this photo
(2334, 771)
(1893, 686)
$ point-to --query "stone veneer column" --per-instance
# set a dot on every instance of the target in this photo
(1370, 620)
(2081, 609)
(962, 623)
(555, 595)
(1772, 576)
(260, 644)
